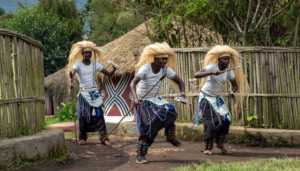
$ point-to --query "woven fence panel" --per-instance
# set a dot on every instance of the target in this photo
(21, 84)
(273, 74)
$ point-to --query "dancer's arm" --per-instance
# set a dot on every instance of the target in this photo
(180, 84)
(203, 73)
(235, 87)
(71, 80)
(133, 84)
(110, 73)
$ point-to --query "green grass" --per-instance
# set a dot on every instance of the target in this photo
(271, 164)
(50, 121)
(69, 135)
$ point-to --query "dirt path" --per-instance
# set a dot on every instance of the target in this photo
(162, 155)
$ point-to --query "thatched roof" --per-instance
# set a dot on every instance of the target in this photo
(58, 84)
(121, 50)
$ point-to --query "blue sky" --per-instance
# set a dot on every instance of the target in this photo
(11, 5)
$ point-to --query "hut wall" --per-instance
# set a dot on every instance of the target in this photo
(48, 103)
(58, 84)
(21, 84)
(116, 97)
(273, 74)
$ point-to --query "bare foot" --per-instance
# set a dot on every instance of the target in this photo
(207, 152)
(224, 151)
(81, 142)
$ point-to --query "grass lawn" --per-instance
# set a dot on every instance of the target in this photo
(50, 121)
(254, 165)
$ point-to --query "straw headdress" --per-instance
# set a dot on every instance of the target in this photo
(220, 51)
(76, 53)
(158, 50)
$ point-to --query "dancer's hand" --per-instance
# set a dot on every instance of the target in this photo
(216, 72)
(71, 86)
(136, 102)
(183, 96)
(232, 96)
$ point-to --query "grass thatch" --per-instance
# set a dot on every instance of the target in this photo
(121, 51)
(58, 84)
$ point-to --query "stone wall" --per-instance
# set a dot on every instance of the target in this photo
(26, 148)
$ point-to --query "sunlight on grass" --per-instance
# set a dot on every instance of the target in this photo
(50, 121)
(69, 135)
(272, 164)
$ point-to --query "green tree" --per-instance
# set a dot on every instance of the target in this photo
(180, 23)
(65, 9)
(246, 22)
(2, 11)
(249, 16)
(107, 22)
(48, 28)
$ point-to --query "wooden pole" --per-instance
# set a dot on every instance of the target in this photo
(73, 110)
(161, 78)
(230, 69)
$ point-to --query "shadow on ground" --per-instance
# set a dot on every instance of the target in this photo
(162, 155)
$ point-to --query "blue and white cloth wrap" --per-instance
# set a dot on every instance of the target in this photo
(91, 96)
(160, 101)
(217, 103)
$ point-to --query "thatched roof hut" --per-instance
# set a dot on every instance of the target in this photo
(56, 91)
(121, 51)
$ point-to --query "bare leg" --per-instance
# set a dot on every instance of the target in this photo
(103, 134)
(220, 143)
(82, 138)
(170, 132)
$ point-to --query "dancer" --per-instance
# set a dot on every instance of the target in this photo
(154, 112)
(84, 60)
(212, 108)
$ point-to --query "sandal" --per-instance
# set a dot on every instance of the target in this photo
(81, 142)
(106, 142)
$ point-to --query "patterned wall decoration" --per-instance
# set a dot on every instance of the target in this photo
(117, 98)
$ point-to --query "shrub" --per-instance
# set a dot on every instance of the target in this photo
(66, 113)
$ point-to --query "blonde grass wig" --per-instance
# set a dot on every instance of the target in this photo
(220, 51)
(158, 50)
(76, 54)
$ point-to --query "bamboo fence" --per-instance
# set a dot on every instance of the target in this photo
(273, 74)
(21, 84)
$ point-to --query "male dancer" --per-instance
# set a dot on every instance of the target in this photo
(212, 108)
(90, 113)
(154, 112)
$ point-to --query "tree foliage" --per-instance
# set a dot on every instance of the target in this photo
(245, 22)
(48, 28)
(65, 9)
(249, 17)
(2, 11)
(107, 22)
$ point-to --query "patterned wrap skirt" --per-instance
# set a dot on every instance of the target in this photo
(151, 118)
